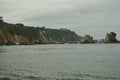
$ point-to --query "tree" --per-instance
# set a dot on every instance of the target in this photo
(42, 28)
(1, 19)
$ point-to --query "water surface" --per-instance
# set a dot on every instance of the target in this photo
(60, 62)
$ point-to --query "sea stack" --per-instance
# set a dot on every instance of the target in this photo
(86, 39)
(111, 38)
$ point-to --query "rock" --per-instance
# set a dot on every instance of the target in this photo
(23, 43)
(87, 39)
(37, 42)
(1, 43)
(20, 40)
(111, 38)
(100, 41)
(9, 43)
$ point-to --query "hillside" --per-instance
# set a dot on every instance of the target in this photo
(5, 36)
(20, 34)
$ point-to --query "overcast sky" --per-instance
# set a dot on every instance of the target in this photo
(94, 17)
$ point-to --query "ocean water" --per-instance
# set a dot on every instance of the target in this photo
(60, 62)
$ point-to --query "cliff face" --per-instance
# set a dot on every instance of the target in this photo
(20, 34)
(5, 36)
(26, 34)
(111, 38)
(11, 34)
(62, 35)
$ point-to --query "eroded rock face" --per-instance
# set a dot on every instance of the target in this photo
(87, 39)
(111, 38)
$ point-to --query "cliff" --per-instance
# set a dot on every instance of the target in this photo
(20, 34)
(5, 36)
(62, 35)
(111, 38)
(11, 34)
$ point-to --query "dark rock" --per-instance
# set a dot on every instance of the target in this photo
(9, 43)
(111, 38)
(26, 43)
(100, 41)
(1, 43)
(38, 42)
(87, 39)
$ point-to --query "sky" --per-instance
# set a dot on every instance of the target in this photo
(93, 17)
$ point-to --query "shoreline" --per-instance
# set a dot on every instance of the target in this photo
(55, 44)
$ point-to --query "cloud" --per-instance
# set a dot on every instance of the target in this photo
(95, 17)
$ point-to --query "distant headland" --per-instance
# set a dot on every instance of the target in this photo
(18, 34)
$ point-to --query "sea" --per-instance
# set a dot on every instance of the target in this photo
(60, 62)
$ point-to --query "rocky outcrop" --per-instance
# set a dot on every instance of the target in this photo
(100, 41)
(86, 39)
(11, 34)
(111, 38)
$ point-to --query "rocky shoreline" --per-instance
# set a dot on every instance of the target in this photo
(87, 39)
(109, 38)
(18, 34)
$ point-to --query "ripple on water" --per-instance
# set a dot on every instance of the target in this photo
(7, 78)
(60, 62)
(78, 77)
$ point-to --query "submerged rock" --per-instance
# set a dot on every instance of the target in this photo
(111, 38)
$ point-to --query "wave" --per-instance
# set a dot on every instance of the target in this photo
(65, 77)
(7, 78)
(87, 76)
(98, 77)
(48, 78)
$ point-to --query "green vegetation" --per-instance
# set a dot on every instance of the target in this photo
(62, 35)
(19, 29)
(18, 33)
